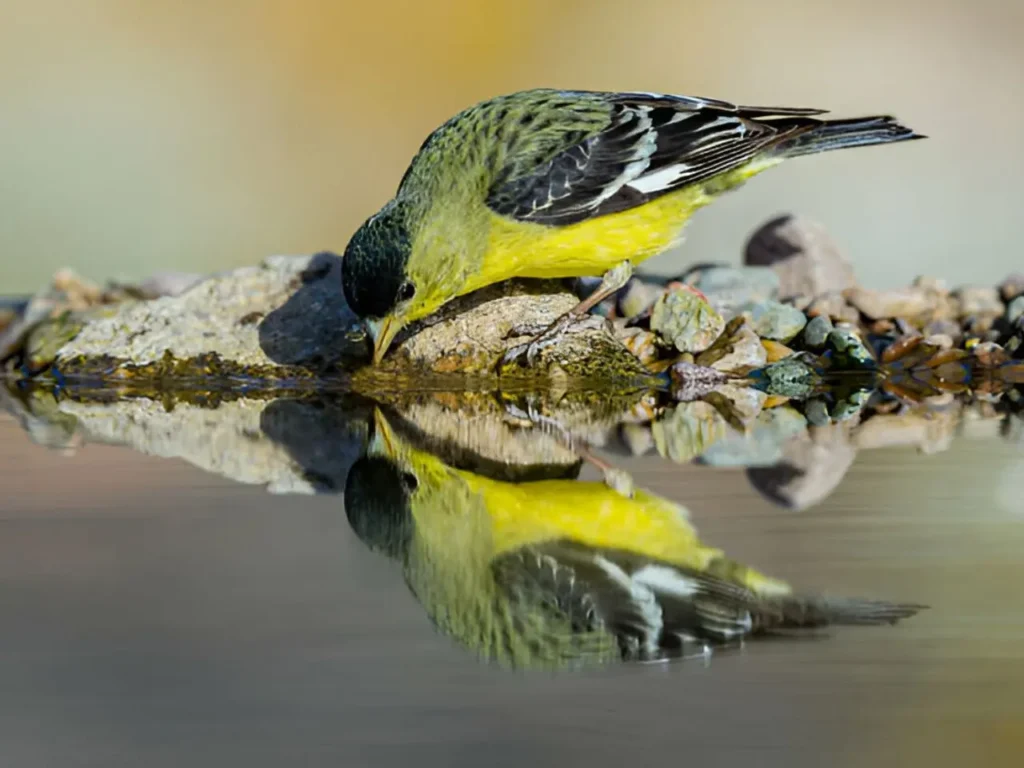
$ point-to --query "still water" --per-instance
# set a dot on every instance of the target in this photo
(182, 586)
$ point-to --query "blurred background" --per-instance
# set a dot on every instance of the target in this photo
(140, 136)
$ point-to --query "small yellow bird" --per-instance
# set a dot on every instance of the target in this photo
(555, 184)
(563, 572)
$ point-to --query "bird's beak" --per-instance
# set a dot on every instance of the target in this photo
(382, 332)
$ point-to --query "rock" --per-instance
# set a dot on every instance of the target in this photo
(762, 445)
(802, 254)
(979, 301)
(834, 306)
(850, 349)
(692, 382)
(686, 320)
(943, 327)
(729, 288)
(738, 350)
(643, 344)
(287, 319)
(270, 319)
(775, 350)
(169, 283)
(1012, 287)
(1015, 310)
(688, 430)
(906, 303)
(811, 467)
(816, 412)
(637, 297)
(816, 332)
(774, 320)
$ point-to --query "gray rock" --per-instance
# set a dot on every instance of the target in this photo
(1015, 309)
(1012, 287)
(975, 300)
(686, 320)
(776, 321)
(729, 288)
(816, 331)
(802, 254)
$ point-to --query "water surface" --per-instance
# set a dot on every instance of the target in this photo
(156, 613)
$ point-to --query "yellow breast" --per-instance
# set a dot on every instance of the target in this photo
(592, 247)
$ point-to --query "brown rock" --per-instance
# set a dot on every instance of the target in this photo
(803, 255)
(877, 305)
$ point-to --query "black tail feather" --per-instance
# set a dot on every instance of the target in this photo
(827, 135)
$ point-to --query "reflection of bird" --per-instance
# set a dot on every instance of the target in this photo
(561, 572)
(552, 184)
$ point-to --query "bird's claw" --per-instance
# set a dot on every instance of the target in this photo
(554, 333)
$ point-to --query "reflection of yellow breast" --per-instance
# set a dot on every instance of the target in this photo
(589, 513)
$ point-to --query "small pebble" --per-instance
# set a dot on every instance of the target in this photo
(816, 332)
(776, 321)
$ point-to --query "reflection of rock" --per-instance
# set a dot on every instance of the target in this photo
(38, 412)
(802, 254)
(688, 431)
(227, 440)
(738, 350)
(810, 467)
(475, 434)
(931, 431)
(323, 437)
(762, 444)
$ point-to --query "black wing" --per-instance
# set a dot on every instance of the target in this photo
(652, 144)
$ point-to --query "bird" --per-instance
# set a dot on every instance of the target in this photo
(563, 572)
(549, 183)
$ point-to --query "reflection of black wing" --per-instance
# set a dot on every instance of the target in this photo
(652, 144)
(653, 609)
(657, 610)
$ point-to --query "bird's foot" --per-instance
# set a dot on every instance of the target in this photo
(528, 352)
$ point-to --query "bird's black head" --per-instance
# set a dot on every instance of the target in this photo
(377, 495)
(374, 269)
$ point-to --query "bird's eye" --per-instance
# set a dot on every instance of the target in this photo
(410, 481)
(406, 291)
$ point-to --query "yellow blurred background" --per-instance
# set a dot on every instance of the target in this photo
(138, 136)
